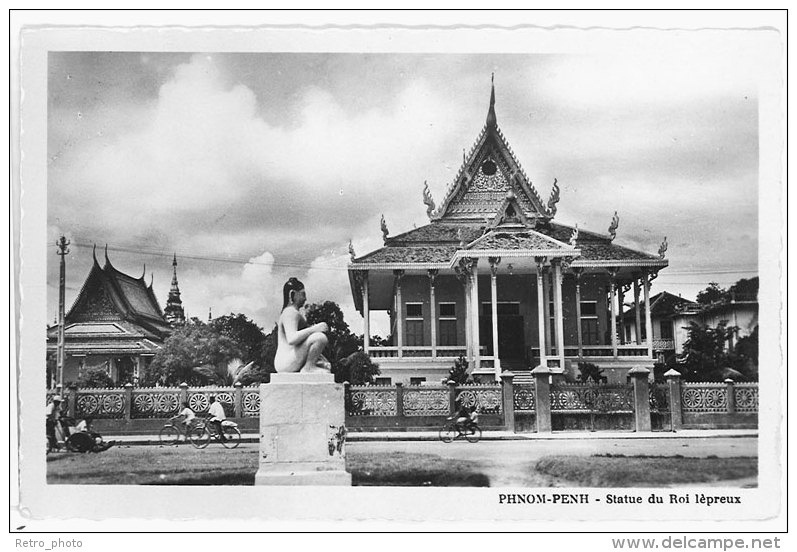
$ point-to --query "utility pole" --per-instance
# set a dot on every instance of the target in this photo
(63, 251)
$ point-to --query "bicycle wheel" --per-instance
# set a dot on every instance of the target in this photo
(199, 436)
(474, 434)
(232, 437)
(447, 433)
(169, 435)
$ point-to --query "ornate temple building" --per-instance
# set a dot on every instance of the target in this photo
(115, 323)
(492, 277)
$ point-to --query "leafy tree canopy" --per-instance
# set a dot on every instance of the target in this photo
(705, 354)
(194, 345)
(357, 369)
(342, 342)
(95, 376)
(459, 372)
(248, 335)
(744, 289)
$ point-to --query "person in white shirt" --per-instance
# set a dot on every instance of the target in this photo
(52, 417)
(186, 415)
(216, 413)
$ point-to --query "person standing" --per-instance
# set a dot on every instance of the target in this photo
(52, 416)
(217, 415)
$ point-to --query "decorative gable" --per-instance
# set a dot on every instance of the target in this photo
(488, 175)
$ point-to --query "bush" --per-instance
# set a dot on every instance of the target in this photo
(357, 369)
(589, 371)
(95, 376)
(459, 373)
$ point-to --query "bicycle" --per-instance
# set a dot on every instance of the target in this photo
(452, 431)
(232, 435)
(171, 432)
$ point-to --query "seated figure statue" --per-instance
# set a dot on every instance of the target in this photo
(299, 347)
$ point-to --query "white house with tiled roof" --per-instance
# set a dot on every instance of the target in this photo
(492, 277)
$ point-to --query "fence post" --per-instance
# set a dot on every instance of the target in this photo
(346, 395)
(452, 398)
(399, 399)
(71, 401)
(128, 401)
(639, 376)
(731, 402)
(674, 383)
(238, 400)
(183, 393)
(542, 398)
(508, 393)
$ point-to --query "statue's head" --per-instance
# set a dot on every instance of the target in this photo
(293, 293)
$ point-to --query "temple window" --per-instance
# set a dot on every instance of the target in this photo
(666, 329)
(414, 324)
(447, 324)
(589, 323)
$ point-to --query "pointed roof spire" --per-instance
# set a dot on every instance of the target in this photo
(491, 119)
(94, 253)
(174, 312)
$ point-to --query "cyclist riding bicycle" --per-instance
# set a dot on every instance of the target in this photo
(186, 416)
(467, 418)
(216, 416)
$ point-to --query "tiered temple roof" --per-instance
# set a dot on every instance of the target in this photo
(492, 208)
(113, 313)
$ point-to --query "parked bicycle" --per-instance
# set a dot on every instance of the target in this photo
(174, 429)
(452, 431)
(206, 430)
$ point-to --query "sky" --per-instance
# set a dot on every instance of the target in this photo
(256, 167)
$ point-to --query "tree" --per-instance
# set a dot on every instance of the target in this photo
(588, 371)
(459, 372)
(248, 335)
(342, 342)
(705, 356)
(195, 345)
(744, 289)
(357, 369)
(712, 294)
(746, 351)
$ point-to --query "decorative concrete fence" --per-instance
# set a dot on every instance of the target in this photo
(402, 407)
(545, 404)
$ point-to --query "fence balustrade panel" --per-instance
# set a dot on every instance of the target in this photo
(704, 397)
(746, 396)
(595, 398)
(425, 401)
(523, 398)
(250, 400)
(486, 398)
(100, 404)
(368, 400)
(155, 402)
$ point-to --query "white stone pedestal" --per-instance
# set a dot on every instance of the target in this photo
(302, 431)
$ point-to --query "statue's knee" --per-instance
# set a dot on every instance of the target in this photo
(319, 338)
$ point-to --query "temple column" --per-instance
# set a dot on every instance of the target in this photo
(637, 314)
(558, 314)
(648, 323)
(462, 270)
(612, 300)
(620, 305)
(397, 275)
(366, 314)
(494, 262)
(546, 309)
(578, 272)
(541, 311)
(433, 309)
(477, 356)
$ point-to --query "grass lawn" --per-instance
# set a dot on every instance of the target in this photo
(184, 465)
(637, 471)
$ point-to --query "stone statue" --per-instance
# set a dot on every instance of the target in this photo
(299, 347)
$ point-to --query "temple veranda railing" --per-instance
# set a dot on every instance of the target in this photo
(670, 405)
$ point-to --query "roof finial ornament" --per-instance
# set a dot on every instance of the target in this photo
(151, 279)
(613, 226)
(94, 253)
(574, 236)
(106, 253)
(144, 274)
(663, 248)
(427, 199)
(351, 251)
(383, 226)
(554, 199)
(210, 315)
(491, 119)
